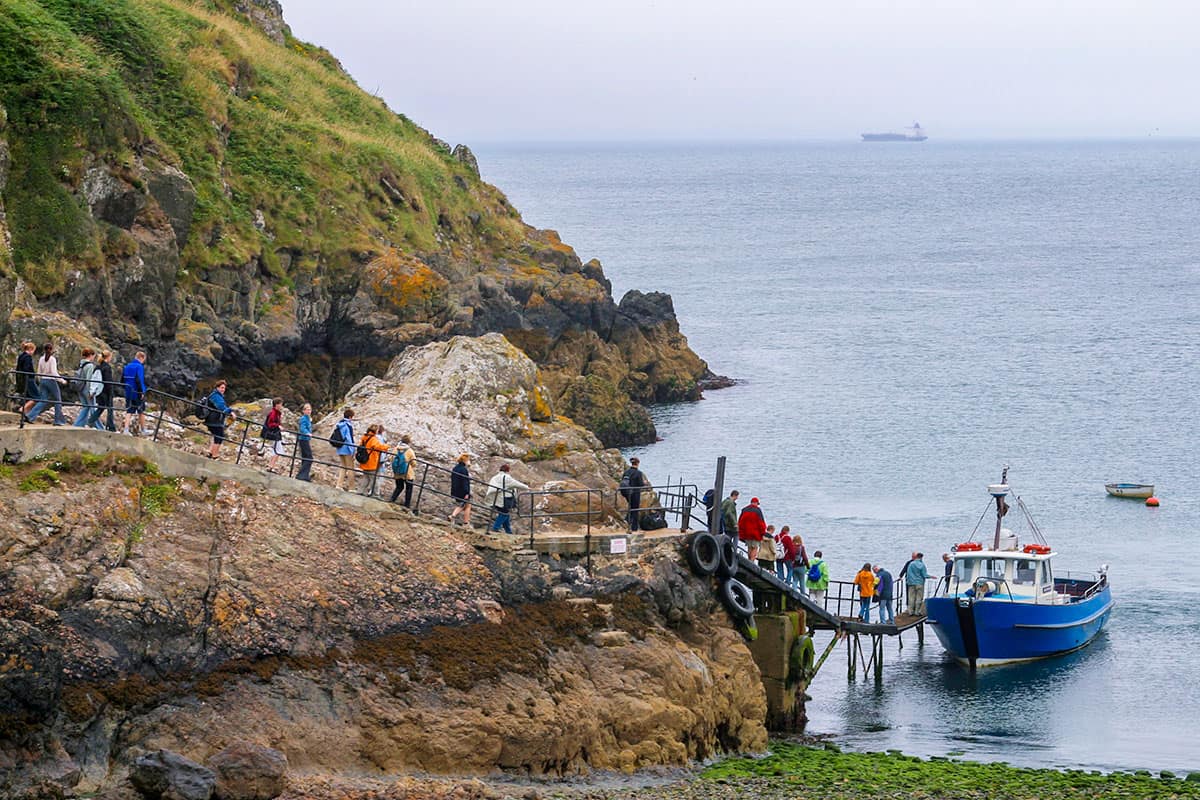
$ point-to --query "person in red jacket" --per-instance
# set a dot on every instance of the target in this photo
(751, 528)
(787, 554)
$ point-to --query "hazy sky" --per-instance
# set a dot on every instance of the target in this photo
(770, 69)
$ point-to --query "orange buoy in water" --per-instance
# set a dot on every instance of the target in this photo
(1152, 502)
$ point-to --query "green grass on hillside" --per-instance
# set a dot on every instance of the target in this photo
(257, 126)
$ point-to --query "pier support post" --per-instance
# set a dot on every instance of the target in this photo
(877, 656)
(921, 635)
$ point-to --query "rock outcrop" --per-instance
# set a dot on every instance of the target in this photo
(203, 620)
(482, 396)
(225, 198)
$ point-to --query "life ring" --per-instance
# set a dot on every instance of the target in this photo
(801, 659)
(727, 567)
(704, 554)
(967, 546)
(738, 598)
(1037, 549)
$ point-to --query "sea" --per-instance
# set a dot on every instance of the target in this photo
(903, 321)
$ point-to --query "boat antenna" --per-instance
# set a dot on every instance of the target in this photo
(998, 491)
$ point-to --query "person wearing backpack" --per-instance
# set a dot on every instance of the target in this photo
(632, 483)
(404, 470)
(460, 489)
(87, 384)
(104, 401)
(368, 455)
(304, 442)
(818, 579)
(26, 377)
(216, 411)
(342, 440)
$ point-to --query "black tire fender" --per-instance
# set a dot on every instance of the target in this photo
(728, 565)
(704, 554)
(801, 659)
(738, 598)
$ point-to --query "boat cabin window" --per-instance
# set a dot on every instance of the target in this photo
(993, 568)
(1047, 577)
(964, 570)
(1026, 573)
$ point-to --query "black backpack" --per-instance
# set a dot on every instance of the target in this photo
(653, 519)
(362, 455)
(336, 439)
(212, 415)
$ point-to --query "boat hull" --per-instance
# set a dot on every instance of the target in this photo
(1140, 491)
(988, 631)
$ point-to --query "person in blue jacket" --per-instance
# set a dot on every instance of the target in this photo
(304, 442)
(345, 450)
(914, 585)
(134, 378)
(216, 412)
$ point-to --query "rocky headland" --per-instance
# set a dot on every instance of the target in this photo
(191, 180)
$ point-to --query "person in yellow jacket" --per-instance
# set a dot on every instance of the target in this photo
(370, 468)
(865, 581)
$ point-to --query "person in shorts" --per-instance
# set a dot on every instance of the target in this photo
(215, 413)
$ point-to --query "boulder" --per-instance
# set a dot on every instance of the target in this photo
(464, 156)
(247, 771)
(176, 196)
(30, 671)
(164, 775)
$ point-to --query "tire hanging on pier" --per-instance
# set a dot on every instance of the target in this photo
(728, 566)
(738, 598)
(704, 554)
(801, 659)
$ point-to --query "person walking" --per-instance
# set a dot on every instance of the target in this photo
(914, 585)
(304, 443)
(767, 552)
(632, 483)
(134, 378)
(369, 479)
(818, 579)
(501, 495)
(885, 594)
(216, 412)
(50, 385)
(729, 514)
(343, 439)
(460, 489)
(800, 565)
(409, 475)
(750, 527)
(26, 378)
(104, 401)
(87, 378)
(272, 431)
(865, 581)
(786, 547)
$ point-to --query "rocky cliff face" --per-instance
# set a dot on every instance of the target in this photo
(197, 183)
(141, 612)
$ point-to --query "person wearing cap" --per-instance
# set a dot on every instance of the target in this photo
(632, 483)
(501, 495)
(460, 489)
(751, 528)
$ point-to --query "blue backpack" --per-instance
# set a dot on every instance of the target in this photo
(814, 572)
(399, 463)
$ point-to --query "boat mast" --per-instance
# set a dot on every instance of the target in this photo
(999, 491)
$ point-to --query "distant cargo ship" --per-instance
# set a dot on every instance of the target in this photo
(913, 134)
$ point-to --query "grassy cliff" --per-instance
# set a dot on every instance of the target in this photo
(188, 178)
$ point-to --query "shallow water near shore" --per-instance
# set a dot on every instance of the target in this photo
(905, 320)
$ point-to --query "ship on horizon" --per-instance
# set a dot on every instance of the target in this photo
(910, 134)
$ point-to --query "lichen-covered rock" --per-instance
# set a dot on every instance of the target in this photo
(247, 771)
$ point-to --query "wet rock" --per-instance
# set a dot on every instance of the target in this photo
(164, 775)
(248, 771)
(30, 671)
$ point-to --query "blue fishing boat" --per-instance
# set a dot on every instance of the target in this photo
(1005, 603)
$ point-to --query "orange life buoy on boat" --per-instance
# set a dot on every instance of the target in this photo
(1037, 549)
(968, 546)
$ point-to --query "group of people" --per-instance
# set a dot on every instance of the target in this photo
(368, 455)
(875, 584)
(40, 387)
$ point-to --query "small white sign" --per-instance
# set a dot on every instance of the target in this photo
(617, 545)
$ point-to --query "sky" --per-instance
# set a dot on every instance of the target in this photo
(631, 70)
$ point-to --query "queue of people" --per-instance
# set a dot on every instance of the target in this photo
(40, 387)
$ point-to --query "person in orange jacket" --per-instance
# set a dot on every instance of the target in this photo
(370, 469)
(865, 581)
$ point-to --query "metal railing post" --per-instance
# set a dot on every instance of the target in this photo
(587, 539)
(292, 460)
(158, 422)
(421, 489)
(242, 443)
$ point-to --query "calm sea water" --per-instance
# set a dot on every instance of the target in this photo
(904, 320)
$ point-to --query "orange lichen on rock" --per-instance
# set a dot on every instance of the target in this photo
(406, 286)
